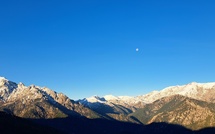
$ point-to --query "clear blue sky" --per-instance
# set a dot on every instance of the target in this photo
(87, 47)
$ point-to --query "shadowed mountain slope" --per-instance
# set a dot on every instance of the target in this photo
(10, 124)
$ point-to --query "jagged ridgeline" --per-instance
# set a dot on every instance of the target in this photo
(38, 102)
(191, 105)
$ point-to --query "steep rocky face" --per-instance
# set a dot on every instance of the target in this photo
(177, 109)
(37, 102)
(6, 87)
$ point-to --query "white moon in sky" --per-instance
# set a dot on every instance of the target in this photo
(137, 49)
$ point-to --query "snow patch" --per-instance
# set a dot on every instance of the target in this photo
(2, 78)
(110, 97)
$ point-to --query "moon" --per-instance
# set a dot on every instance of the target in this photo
(137, 49)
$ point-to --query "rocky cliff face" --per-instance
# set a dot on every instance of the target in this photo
(38, 102)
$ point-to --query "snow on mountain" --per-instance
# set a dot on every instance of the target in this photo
(2, 78)
(34, 102)
(6, 88)
(126, 102)
(125, 99)
(11, 92)
(110, 97)
(96, 99)
(200, 91)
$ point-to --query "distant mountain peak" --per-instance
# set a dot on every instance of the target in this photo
(110, 97)
(2, 79)
(199, 91)
(192, 85)
(21, 85)
(95, 98)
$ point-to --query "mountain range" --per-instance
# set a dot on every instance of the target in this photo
(38, 102)
(196, 101)
(191, 106)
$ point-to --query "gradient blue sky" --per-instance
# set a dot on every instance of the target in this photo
(87, 47)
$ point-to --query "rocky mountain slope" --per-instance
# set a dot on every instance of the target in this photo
(38, 102)
(10, 124)
(191, 113)
(191, 105)
(199, 91)
(113, 107)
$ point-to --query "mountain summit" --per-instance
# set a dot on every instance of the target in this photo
(38, 102)
(199, 91)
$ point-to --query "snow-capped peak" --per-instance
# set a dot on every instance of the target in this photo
(189, 86)
(3, 79)
(194, 90)
(96, 99)
(207, 85)
(110, 97)
(21, 85)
